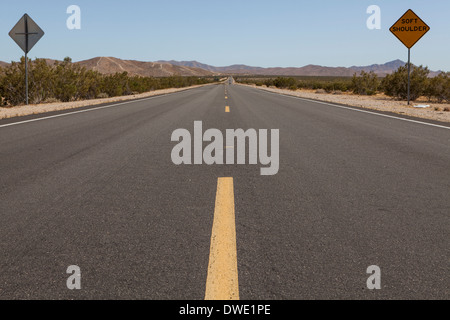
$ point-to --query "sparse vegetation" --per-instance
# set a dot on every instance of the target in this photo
(365, 84)
(394, 85)
(66, 81)
(438, 88)
(329, 84)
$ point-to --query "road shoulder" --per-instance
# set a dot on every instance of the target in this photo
(370, 103)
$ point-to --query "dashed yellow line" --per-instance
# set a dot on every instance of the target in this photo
(227, 109)
(222, 281)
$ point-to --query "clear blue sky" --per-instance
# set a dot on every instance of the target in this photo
(285, 33)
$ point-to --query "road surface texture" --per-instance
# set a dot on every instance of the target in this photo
(98, 189)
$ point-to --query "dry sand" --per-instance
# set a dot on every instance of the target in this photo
(20, 111)
(378, 102)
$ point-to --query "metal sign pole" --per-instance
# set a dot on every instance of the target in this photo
(26, 60)
(409, 76)
(26, 79)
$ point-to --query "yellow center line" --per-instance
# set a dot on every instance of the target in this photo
(227, 109)
(222, 281)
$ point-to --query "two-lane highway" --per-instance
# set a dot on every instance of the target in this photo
(98, 189)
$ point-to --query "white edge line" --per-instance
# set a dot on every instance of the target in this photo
(90, 109)
(354, 109)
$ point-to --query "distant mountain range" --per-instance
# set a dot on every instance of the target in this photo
(110, 65)
(309, 70)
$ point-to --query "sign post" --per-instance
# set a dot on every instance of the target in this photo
(409, 75)
(26, 33)
(409, 29)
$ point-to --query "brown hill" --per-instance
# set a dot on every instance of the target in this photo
(109, 65)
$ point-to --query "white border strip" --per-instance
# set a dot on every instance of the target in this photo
(354, 109)
(91, 109)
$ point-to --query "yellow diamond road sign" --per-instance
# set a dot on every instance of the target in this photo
(409, 29)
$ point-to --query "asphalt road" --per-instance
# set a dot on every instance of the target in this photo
(98, 189)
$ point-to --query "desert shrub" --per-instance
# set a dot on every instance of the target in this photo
(284, 83)
(65, 80)
(366, 83)
(40, 81)
(438, 88)
(396, 84)
(268, 83)
(12, 83)
(342, 86)
(327, 85)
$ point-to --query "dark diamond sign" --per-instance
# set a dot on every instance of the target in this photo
(26, 33)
